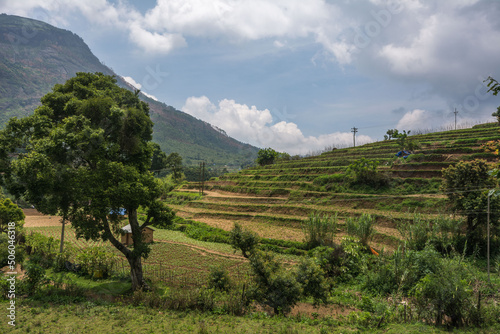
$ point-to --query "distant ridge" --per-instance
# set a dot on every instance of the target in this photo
(34, 56)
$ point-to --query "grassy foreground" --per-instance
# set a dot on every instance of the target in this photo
(95, 317)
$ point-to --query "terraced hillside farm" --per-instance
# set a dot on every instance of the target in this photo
(273, 200)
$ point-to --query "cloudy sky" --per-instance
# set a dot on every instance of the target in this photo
(297, 75)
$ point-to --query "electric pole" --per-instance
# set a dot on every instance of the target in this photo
(354, 130)
(455, 112)
(202, 177)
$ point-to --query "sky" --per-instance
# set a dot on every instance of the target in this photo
(297, 75)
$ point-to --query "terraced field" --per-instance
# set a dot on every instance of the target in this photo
(274, 200)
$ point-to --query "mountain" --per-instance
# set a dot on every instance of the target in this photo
(34, 56)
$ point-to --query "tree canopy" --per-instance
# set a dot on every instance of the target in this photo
(85, 154)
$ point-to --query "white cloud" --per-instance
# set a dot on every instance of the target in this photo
(254, 126)
(132, 82)
(137, 85)
(153, 42)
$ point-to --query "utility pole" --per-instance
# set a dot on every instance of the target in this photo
(455, 112)
(354, 130)
(202, 177)
(488, 232)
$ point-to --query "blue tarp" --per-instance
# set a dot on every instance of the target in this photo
(403, 154)
(120, 212)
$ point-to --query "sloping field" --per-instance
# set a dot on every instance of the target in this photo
(274, 200)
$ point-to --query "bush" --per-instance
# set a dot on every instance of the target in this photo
(361, 227)
(4, 251)
(446, 293)
(275, 286)
(218, 279)
(442, 232)
(364, 172)
(34, 278)
(331, 260)
(42, 247)
(319, 231)
(96, 262)
(312, 279)
(242, 239)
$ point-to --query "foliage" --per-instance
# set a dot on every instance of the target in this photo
(361, 227)
(4, 251)
(332, 260)
(35, 278)
(96, 262)
(312, 280)
(244, 240)
(391, 134)
(320, 231)
(364, 172)
(275, 286)
(466, 184)
(159, 159)
(218, 279)
(9, 213)
(44, 248)
(174, 162)
(442, 232)
(266, 156)
(447, 292)
(88, 154)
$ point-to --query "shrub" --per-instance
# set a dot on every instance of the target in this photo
(332, 260)
(218, 279)
(319, 231)
(445, 293)
(96, 262)
(312, 279)
(4, 251)
(361, 227)
(242, 239)
(44, 248)
(275, 286)
(364, 172)
(35, 278)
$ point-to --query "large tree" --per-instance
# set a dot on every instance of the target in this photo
(85, 154)
(467, 185)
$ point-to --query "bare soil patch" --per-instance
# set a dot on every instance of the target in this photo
(37, 219)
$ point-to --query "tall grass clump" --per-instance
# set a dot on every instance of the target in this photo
(361, 227)
(320, 230)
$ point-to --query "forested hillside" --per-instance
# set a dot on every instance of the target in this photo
(34, 56)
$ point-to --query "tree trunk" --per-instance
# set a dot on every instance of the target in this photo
(136, 273)
(133, 258)
(61, 247)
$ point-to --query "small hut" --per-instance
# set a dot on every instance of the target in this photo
(126, 231)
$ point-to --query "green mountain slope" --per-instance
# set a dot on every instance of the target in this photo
(34, 56)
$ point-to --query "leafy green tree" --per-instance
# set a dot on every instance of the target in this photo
(497, 115)
(266, 156)
(9, 213)
(159, 160)
(244, 240)
(466, 184)
(391, 134)
(86, 155)
(276, 287)
(174, 162)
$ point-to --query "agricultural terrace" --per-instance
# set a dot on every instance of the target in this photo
(274, 200)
